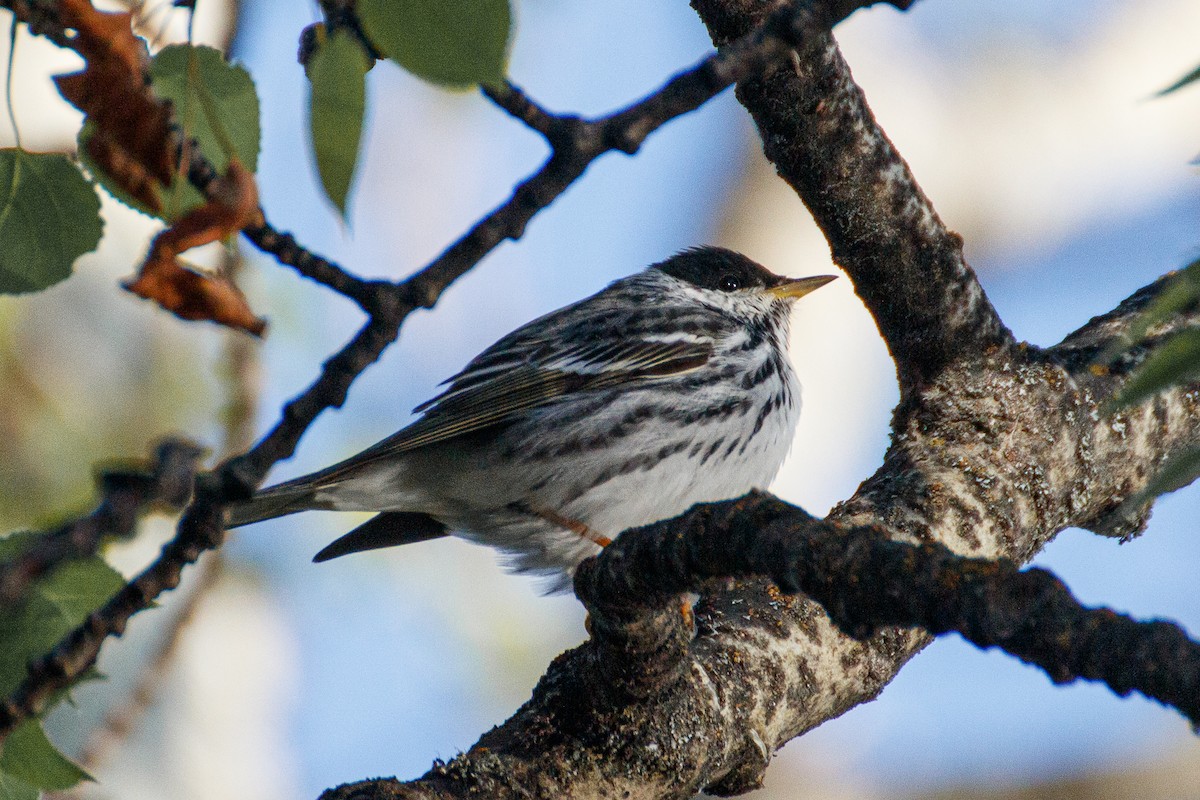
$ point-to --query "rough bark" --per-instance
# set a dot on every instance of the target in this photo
(820, 134)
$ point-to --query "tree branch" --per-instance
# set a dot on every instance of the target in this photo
(865, 582)
(883, 231)
(126, 494)
(996, 448)
(200, 529)
(991, 460)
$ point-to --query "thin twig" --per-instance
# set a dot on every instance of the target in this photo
(126, 494)
(240, 369)
(122, 720)
(200, 529)
(521, 106)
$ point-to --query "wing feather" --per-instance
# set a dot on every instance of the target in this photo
(479, 399)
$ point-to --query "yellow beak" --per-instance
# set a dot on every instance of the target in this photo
(795, 288)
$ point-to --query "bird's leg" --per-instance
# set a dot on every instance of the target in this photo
(573, 525)
(554, 518)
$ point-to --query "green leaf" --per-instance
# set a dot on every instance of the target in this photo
(30, 757)
(55, 604)
(449, 42)
(215, 103)
(50, 217)
(1175, 361)
(1178, 473)
(338, 72)
(12, 788)
(1191, 77)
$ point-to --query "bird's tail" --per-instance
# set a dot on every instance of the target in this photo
(277, 501)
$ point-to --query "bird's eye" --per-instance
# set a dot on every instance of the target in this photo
(729, 283)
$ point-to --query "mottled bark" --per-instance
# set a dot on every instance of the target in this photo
(820, 134)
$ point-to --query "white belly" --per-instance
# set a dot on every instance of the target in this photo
(658, 472)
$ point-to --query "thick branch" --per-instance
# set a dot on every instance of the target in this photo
(865, 582)
(821, 136)
(995, 449)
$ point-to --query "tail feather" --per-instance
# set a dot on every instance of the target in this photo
(389, 529)
(278, 501)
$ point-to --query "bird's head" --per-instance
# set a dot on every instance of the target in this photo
(730, 282)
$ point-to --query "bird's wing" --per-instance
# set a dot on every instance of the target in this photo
(497, 386)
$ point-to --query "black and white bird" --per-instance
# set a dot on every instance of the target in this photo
(668, 388)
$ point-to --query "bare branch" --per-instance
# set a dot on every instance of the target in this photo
(126, 494)
(866, 582)
(521, 106)
(122, 720)
(821, 136)
(240, 365)
(200, 529)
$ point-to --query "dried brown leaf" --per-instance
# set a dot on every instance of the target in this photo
(189, 294)
(112, 90)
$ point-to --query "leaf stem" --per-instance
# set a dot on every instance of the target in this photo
(8, 81)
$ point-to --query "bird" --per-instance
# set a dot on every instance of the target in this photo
(667, 388)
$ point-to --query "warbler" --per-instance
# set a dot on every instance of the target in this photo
(667, 388)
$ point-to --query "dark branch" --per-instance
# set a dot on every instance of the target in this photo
(866, 582)
(200, 529)
(122, 719)
(578, 142)
(522, 107)
(823, 139)
(283, 246)
(126, 494)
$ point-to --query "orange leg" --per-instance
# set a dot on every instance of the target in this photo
(572, 525)
(685, 610)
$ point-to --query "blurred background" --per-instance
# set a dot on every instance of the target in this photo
(1033, 127)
